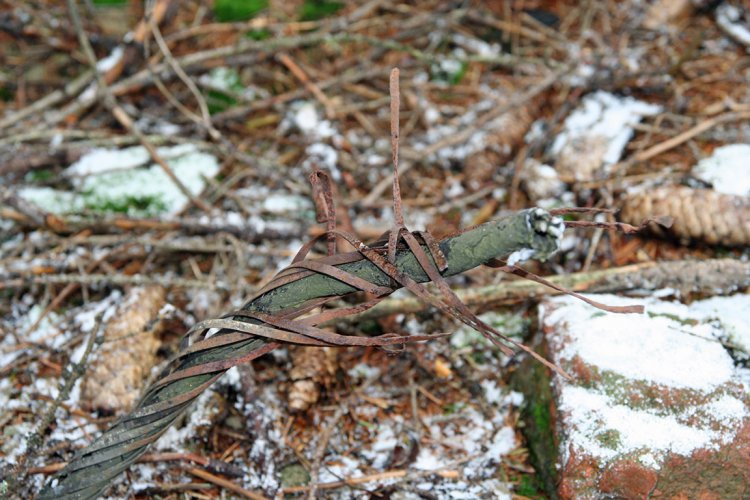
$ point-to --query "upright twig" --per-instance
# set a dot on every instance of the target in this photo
(397, 211)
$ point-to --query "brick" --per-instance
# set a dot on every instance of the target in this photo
(657, 407)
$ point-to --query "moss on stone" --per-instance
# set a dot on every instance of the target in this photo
(533, 380)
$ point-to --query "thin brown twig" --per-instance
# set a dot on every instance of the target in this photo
(464, 135)
(395, 107)
(300, 74)
(189, 225)
(692, 132)
(205, 116)
(446, 472)
(320, 451)
(224, 483)
(53, 98)
(147, 458)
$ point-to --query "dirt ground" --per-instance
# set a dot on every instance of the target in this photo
(154, 165)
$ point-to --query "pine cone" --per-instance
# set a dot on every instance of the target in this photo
(311, 369)
(131, 341)
(699, 214)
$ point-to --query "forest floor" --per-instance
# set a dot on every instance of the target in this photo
(174, 184)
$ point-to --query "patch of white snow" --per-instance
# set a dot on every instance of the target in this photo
(727, 169)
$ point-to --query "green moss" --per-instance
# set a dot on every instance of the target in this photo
(541, 415)
(609, 439)
(41, 175)
(452, 72)
(131, 205)
(459, 75)
(110, 2)
(645, 395)
(366, 424)
(294, 475)
(6, 94)
(371, 328)
(479, 357)
(452, 408)
(533, 380)
(223, 78)
(218, 101)
(673, 317)
(530, 486)
(259, 34)
(237, 10)
(312, 10)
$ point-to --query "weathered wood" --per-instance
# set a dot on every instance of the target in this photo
(685, 277)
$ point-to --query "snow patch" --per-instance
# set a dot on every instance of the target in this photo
(107, 178)
(598, 131)
(670, 346)
(729, 18)
(324, 156)
(731, 313)
(286, 203)
(309, 122)
(595, 417)
(109, 62)
(727, 169)
(651, 347)
(604, 114)
(541, 181)
(520, 256)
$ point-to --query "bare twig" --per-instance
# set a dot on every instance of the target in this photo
(692, 132)
(50, 100)
(36, 439)
(227, 485)
(112, 279)
(464, 135)
(205, 116)
(310, 85)
(685, 276)
(320, 451)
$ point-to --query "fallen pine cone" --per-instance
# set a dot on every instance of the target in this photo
(311, 370)
(131, 341)
(699, 214)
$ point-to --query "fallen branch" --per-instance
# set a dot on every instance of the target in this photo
(269, 319)
(31, 216)
(702, 277)
(107, 279)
